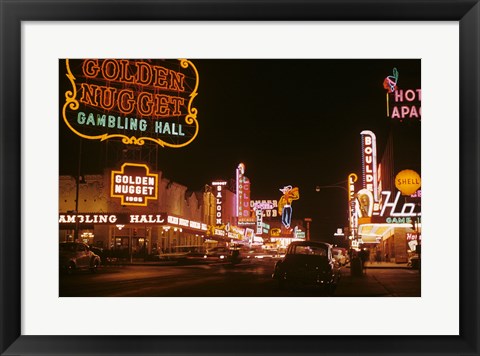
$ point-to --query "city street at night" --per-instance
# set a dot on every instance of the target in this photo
(247, 279)
(161, 190)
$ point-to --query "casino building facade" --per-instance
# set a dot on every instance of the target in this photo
(175, 220)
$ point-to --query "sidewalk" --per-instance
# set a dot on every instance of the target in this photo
(386, 265)
(367, 284)
(361, 286)
(383, 265)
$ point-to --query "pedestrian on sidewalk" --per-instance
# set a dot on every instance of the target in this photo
(364, 257)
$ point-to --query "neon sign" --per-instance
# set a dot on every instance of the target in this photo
(218, 187)
(390, 84)
(285, 204)
(394, 211)
(352, 216)
(243, 193)
(262, 206)
(132, 100)
(403, 99)
(369, 163)
(174, 220)
(134, 184)
(408, 209)
(269, 207)
(113, 218)
(259, 217)
(364, 203)
(404, 108)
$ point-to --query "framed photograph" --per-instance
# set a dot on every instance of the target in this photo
(239, 177)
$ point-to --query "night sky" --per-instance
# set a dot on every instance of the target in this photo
(291, 122)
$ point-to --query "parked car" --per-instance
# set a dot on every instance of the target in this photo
(76, 256)
(100, 252)
(308, 263)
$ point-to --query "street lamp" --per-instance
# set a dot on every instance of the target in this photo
(318, 188)
(349, 188)
(77, 187)
(78, 180)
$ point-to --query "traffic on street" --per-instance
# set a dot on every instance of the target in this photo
(251, 278)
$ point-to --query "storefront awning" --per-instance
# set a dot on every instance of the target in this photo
(375, 233)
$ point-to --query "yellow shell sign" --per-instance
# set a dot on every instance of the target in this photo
(408, 182)
(135, 100)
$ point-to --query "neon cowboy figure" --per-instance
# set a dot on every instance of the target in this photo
(285, 204)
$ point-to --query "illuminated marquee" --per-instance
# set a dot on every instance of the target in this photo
(407, 101)
(259, 216)
(414, 236)
(269, 207)
(226, 231)
(396, 210)
(407, 104)
(408, 209)
(134, 184)
(352, 214)
(113, 218)
(218, 192)
(243, 193)
(132, 100)
(133, 219)
(369, 163)
(181, 222)
(263, 206)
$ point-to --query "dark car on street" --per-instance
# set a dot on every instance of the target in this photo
(224, 254)
(76, 255)
(308, 263)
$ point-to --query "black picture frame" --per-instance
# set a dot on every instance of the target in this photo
(466, 12)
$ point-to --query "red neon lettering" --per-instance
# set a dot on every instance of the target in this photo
(110, 69)
(161, 77)
(147, 104)
(107, 97)
(89, 92)
(90, 68)
(127, 77)
(144, 73)
(134, 72)
(126, 103)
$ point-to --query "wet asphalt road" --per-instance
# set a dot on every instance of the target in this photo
(248, 279)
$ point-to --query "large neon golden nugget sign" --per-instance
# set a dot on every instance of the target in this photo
(133, 100)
